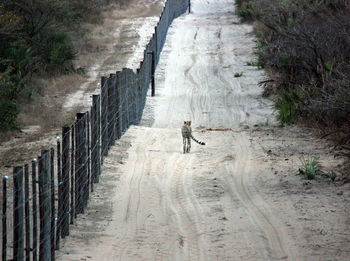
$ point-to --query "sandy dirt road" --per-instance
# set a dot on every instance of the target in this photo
(224, 201)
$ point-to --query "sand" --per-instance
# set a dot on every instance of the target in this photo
(237, 198)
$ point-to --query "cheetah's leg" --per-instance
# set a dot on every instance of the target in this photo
(188, 145)
(184, 144)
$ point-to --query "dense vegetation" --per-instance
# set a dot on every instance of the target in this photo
(37, 38)
(305, 44)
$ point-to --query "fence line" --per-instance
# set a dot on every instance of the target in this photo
(41, 199)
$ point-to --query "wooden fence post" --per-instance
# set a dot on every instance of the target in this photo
(72, 176)
(95, 140)
(60, 194)
(111, 111)
(116, 107)
(26, 211)
(135, 99)
(88, 156)
(65, 175)
(119, 104)
(104, 117)
(35, 210)
(124, 97)
(81, 179)
(4, 218)
(153, 69)
(138, 95)
(53, 208)
(78, 164)
(45, 208)
(18, 215)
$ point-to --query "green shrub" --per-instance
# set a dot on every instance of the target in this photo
(287, 105)
(332, 175)
(258, 63)
(245, 9)
(238, 74)
(8, 115)
(310, 168)
(61, 52)
(305, 43)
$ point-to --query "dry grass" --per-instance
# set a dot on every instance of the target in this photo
(43, 118)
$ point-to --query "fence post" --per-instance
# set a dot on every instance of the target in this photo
(153, 68)
(65, 181)
(60, 194)
(72, 176)
(35, 210)
(95, 140)
(78, 164)
(111, 110)
(88, 155)
(116, 107)
(26, 211)
(18, 215)
(133, 84)
(4, 218)
(138, 96)
(53, 208)
(156, 45)
(125, 102)
(104, 117)
(81, 163)
(119, 105)
(128, 97)
(45, 208)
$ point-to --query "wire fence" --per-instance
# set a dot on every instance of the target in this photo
(44, 197)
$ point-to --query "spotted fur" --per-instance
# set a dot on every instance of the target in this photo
(186, 131)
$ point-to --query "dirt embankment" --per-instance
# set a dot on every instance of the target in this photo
(237, 198)
(116, 43)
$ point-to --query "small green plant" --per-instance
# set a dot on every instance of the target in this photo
(332, 175)
(257, 63)
(238, 74)
(287, 105)
(310, 168)
(245, 9)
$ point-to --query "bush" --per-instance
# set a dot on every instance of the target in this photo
(8, 115)
(306, 46)
(60, 53)
(245, 10)
(287, 104)
(310, 168)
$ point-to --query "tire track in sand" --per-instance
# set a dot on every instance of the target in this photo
(239, 183)
(133, 202)
(179, 200)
